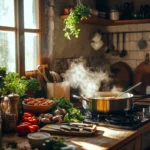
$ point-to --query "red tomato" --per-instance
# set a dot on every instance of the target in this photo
(33, 128)
(26, 123)
(27, 114)
(33, 120)
(22, 129)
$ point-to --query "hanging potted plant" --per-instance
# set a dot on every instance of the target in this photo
(71, 22)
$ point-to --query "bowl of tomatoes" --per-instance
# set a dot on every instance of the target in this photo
(37, 105)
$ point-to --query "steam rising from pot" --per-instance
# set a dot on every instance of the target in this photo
(81, 77)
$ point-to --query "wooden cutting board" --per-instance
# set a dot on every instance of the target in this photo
(46, 128)
(142, 74)
(123, 75)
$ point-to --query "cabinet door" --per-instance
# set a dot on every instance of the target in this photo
(146, 141)
(133, 145)
(129, 146)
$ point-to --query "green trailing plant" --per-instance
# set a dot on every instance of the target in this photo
(71, 22)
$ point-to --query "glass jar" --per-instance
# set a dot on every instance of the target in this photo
(114, 14)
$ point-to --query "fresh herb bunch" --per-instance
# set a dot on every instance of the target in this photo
(33, 84)
(15, 84)
(71, 28)
(54, 143)
(63, 103)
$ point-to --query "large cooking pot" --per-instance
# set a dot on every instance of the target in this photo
(108, 102)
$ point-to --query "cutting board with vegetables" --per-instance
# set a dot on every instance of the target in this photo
(142, 74)
(65, 129)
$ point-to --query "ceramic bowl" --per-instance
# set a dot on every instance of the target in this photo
(36, 139)
(37, 109)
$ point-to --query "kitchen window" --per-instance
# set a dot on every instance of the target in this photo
(21, 34)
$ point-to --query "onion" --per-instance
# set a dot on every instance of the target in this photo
(63, 111)
(45, 120)
(57, 112)
(57, 118)
(48, 115)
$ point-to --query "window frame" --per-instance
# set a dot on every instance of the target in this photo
(20, 33)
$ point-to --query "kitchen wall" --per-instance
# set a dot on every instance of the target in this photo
(135, 55)
(77, 47)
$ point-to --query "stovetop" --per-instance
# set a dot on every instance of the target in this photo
(130, 120)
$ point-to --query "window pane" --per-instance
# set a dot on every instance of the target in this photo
(31, 14)
(7, 50)
(31, 51)
(7, 13)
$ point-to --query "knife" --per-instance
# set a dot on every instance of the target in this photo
(64, 128)
(80, 129)
(55, 127)
(81, 124)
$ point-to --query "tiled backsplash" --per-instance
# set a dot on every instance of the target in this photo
(135, 55)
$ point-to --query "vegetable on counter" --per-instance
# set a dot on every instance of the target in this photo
(63, 111)
(73, 115)
(62, 103)
(29, 117)
(28, 125)
(54, 143)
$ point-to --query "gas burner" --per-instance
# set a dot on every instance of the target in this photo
(130, 120)
(122, 120)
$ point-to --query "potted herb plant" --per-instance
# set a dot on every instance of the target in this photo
(71, 22)
(32, 86)
(15, 87)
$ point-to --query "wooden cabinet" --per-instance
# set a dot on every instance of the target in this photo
(104, 22)
(133, 145)
(140, 143)
(145, 141)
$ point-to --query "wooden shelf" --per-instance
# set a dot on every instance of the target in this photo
(104, 22)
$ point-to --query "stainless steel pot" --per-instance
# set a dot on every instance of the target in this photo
(108, 102)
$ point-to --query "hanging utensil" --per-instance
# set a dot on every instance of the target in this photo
(123, 53)
(115, 52)
(142, 43)
(107, 42)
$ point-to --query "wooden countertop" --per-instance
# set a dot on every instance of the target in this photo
(106, 139)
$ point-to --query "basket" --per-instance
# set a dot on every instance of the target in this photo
(37, 109)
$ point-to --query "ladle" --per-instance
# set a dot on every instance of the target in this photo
(123, 53)
(115, 52)
(129, 89)
(108, 45)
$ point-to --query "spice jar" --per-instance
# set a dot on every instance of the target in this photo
(114, 14)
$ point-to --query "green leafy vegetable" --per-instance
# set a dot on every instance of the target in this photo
(54, 143)
(15, 84)
(63, 103)
(73, 115)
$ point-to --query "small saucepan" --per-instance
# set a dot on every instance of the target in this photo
(108, 102)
